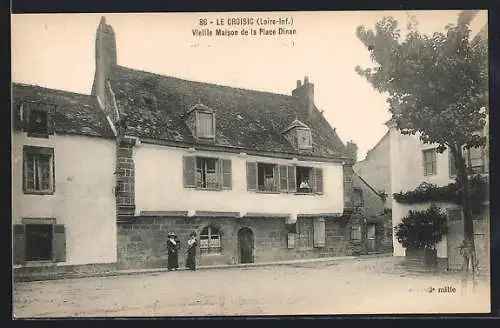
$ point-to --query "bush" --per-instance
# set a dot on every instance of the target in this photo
(422, 229)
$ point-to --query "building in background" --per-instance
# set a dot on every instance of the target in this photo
(63, 205)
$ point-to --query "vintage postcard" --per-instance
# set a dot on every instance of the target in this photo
(253, 163)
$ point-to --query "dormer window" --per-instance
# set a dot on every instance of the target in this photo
(201, 121)
(205, 125)
(37, 120)
(299, 135)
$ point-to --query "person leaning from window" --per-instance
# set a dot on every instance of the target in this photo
(304, 185)
(191, 252)
(173, 246)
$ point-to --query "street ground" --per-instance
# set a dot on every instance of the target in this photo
(361, 286)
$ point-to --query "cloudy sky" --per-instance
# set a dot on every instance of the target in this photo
(57, 51)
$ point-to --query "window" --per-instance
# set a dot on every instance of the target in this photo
(38, 173)
(205, 125)
(304, 236)
(39, 240)
(207, 173)
(304, 180)
(210, 241)
(454, 214)
(356, 233)
(267, 177)
(429, 162)
(37, 119)
(475, 160)
(357, 195)
(304, 139)
(284, 178)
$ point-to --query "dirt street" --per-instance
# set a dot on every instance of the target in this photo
(361, 286)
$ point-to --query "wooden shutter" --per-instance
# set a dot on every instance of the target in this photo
(276, 178)
(59, 243)
(318, 180)
(26, 108)
(189, 171)
(251, 176)
(292, 181)
(226, 173)
(291, 240)
(451, 164)
(283, 178)
(319, 232)
(19, 244)
(312, 180)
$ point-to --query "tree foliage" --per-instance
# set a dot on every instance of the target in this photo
(436, 85)
(422, 229)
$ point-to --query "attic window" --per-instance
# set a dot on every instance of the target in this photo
(37, 119)
(205, 126)
(304, 138)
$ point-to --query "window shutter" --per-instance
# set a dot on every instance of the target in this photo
(319, 232)
(283, 178)
(291, 240)
(189, 171)
(26, 108)
(19, 244)
(318, 175)
(312, 179)
(292, 181)
(251, 176)
(226, 174)
(59, 243)
(276, 179)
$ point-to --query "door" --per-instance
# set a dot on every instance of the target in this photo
(370, 237)
(245, 242)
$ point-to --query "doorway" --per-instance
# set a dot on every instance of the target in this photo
(245, 244)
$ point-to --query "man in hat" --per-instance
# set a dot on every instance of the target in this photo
(173, 249)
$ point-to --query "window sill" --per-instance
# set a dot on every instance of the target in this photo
(40, 263)
(208, 189)
(211, 254)
(267, 192)
(35, 192)
(306, 193)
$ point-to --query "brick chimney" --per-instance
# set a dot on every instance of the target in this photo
(105, 60)
(305, 92)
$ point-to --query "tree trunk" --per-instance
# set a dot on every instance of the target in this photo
(468, 250)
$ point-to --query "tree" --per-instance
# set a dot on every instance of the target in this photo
(422, 229)
(437, 88)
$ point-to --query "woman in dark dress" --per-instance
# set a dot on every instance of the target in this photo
(173, 248)
(191, 252)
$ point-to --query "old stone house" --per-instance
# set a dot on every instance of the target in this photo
(258, 176)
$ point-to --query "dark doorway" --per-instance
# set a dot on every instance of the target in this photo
(245, 242)
(39, 242)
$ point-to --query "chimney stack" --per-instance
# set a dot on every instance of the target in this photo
(305, 92)
(105, 60)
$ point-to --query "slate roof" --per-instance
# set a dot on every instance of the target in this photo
(154, 105)
(75, 114)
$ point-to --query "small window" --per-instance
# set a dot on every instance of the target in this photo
(38, 242)
(207, 173)
(304, 138)
(38, 122)
(454, 214)
(356, 233)
(205, 125)
(304, 236)
(475, 160)
(210, 241)
(38, 175)
(267, 177)
(37, 119)
(304, 179)
(357, 195)
(430, 162)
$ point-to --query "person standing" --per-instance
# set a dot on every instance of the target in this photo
(191, 252)
(173, 249)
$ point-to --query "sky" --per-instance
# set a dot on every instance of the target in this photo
(57, 51)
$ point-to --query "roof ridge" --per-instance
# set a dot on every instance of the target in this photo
(21, 84)
(207, 83)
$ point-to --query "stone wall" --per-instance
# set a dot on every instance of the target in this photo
(50, 272)
(141, 244)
